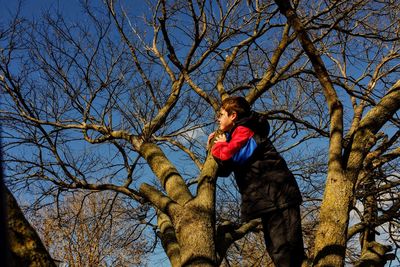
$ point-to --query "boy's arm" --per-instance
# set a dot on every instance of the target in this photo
(226, 150)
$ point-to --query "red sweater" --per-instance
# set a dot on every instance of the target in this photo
(226, 150)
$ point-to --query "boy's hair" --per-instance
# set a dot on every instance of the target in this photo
(236, 104)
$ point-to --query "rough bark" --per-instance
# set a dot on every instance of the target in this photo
(330, 243)
(26, 247)
(4, 242)
(194, 228)
(187, 224)
(186, 220)
(168, 238)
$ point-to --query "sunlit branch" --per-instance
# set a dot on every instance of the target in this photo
(383, 111)
(207, 97)
(388, 216)
(198, 34)
(152, 126)
(132, 49)
(290, 117)
(376, 76)
(266, 81)
(172, 54)
(227, 234)
(168, 238)
(334, 104)
(158, 199)
(100, 187)
(377, 158)
(229, 59)
(182, 147)
(166, 172)
(155, 50)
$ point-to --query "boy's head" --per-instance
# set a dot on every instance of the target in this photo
(236, 104)
(232, 109)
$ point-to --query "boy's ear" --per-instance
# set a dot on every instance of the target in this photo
(234, 115)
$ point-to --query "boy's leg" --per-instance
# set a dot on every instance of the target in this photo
(283, 237)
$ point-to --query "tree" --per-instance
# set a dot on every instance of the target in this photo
(25, 246)
(99, 112)
(349, 154)
(94, 229)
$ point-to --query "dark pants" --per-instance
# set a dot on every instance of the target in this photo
(283, 237)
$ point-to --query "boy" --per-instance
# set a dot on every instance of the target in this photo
(268, 189)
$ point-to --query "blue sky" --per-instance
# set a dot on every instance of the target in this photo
(32, 9)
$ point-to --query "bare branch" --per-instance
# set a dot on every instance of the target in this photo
(168, 238)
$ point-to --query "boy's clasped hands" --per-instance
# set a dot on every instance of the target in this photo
(219, 138)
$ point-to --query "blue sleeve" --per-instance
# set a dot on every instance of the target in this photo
(245, 152)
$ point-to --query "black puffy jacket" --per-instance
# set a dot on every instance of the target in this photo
(264, 180)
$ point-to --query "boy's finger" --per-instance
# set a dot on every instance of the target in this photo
(211, 136)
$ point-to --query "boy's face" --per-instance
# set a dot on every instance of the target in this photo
(226, 122)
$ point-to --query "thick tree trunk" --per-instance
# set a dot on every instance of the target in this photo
(188, 234)
(186, 223)
(195, 223)
(189, 238)
(330, 243)
(195, 232)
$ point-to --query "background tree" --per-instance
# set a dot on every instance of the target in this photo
(124, 102)
(93, 229)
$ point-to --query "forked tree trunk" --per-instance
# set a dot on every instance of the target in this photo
(189, 237)
(186, 222)
(195, 232)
